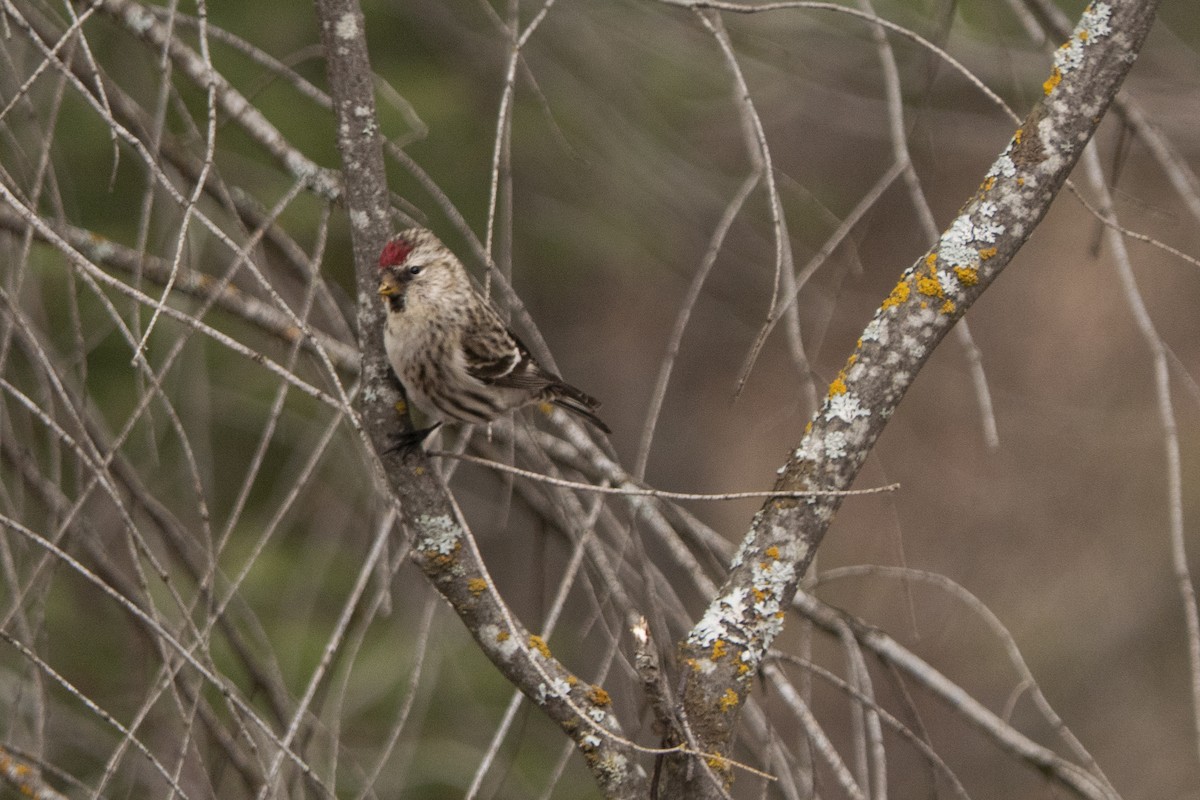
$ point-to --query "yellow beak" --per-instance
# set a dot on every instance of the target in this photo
(389, 286)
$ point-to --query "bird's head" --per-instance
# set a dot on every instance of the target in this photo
(415, 264)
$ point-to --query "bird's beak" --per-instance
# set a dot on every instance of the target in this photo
(389, 285)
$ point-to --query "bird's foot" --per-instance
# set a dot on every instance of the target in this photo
(410, 440)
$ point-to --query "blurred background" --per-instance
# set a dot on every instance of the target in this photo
(197, 479)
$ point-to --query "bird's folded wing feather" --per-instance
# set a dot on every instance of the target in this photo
(501, 360)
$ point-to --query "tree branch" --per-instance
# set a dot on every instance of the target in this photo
(725, 649)
(443, 547)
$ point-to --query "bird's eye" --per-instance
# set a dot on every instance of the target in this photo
(415, 269)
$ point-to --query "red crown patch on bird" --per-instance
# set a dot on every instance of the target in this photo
(394, 252)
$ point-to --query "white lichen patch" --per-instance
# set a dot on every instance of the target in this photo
(722, 619)
(922, 321)
(949, 281)
(913, 347)
(439, 534)
(1048, 130)
(845, 407)
(810, 449)
(960, 244)
(598, 715)
(1094, 24)
(769, 579)
(346, 27)
(360, 219)
(505, 646)
(750, 618)
(874, 331)
(591, 740)
(835, 444)
(1096, 20)
(1004, 166)
(957, 243)
(561, 687)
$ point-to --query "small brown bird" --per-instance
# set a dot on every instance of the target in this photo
(457, 359)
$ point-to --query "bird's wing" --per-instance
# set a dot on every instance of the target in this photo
(496, 356)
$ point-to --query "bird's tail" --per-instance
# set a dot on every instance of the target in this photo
(567, 396)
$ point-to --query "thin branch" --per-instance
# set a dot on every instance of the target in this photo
(632, 491)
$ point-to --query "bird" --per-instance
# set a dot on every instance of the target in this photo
(456, 358)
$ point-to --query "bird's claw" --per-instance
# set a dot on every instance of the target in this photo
(410, 440)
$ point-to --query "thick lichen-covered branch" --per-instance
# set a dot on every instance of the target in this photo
(725, 648)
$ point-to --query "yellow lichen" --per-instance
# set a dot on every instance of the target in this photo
(599, 696)
(444, 559)
(401, 407)
(948, 307)
(1017, 136)
(728, 701)
(931, 261)
(502, 636)
(546, 408)
(743, 668)
(719, 649)
(929, 286)
(899, 295)
(989, 183)
(539, 644)
(967, 276)
(476, 586)
(1054, 79)
(837, 387)
(986, 253)
(772, 552)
